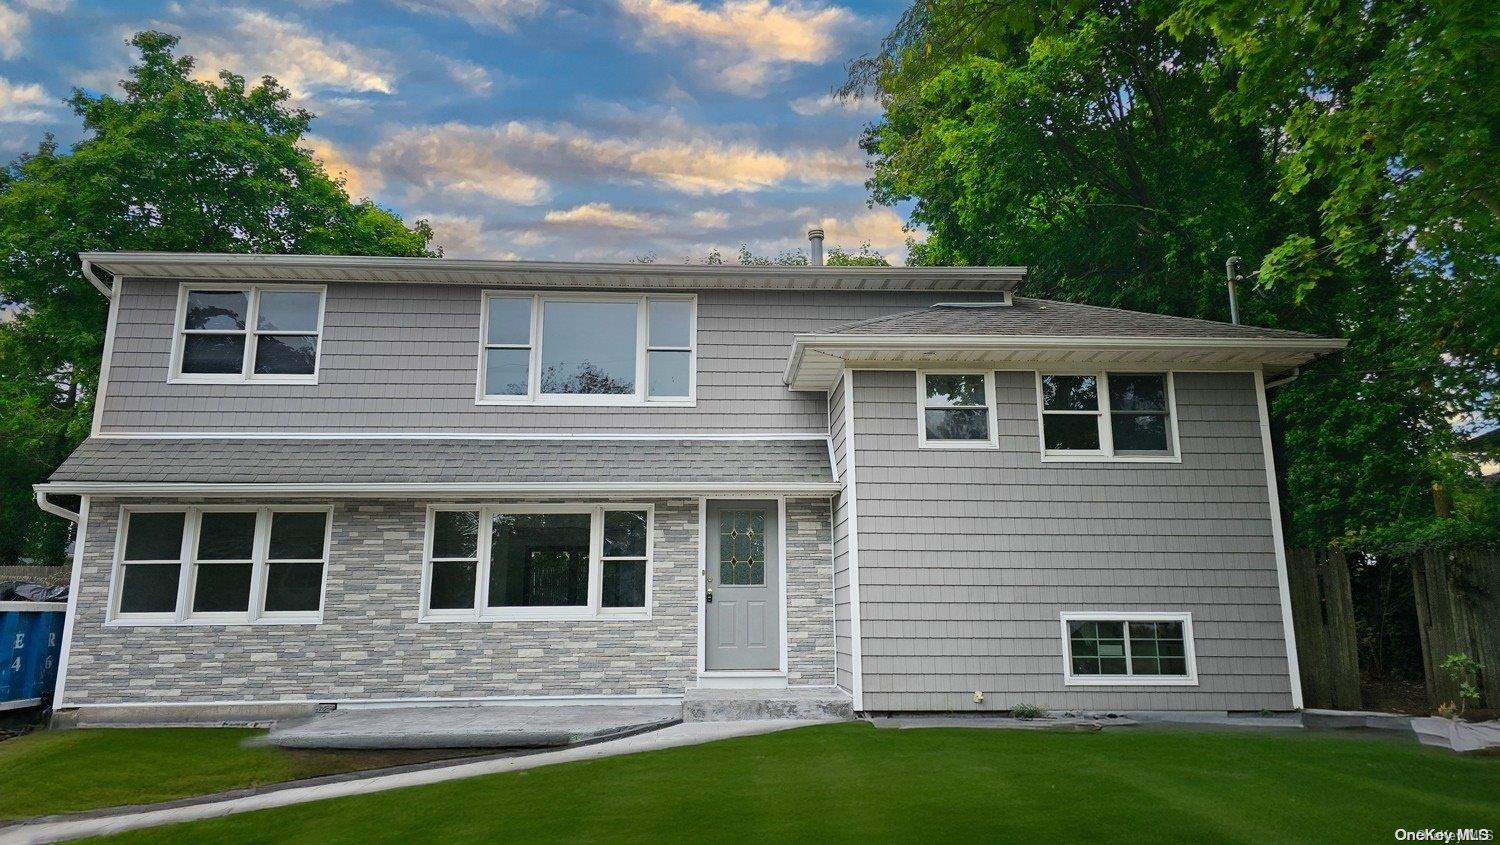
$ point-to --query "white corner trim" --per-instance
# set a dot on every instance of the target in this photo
(851, 544)
(72, 618)
(702, 584)
(1283, 583)
(102, 389)
(1189, 651)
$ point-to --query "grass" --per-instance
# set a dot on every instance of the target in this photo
(63, 771)
(853, 782)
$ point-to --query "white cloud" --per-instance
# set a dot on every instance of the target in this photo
(257, 43)
(24, 102)
(599, 215)
(517, 161)
(464, 236)
(863, 106)
(881, 228)
(471, 76)
(13, 26)
(359, 182)
(710, 219)
(496, 14)
(744, 44)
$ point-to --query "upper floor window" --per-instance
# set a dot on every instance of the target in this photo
(587, 349)
(1122, 416)
(264, 333)
(222, 564)
(957, 410)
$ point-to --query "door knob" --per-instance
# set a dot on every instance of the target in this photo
(708, 595)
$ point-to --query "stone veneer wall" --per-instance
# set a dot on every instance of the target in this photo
(371, 646)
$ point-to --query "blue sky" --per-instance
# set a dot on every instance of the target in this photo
(549, 129)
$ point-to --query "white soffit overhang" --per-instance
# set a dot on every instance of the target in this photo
(218, 267)
(816, 361)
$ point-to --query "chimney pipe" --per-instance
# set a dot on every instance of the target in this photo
(1232, 270)
(815, 238)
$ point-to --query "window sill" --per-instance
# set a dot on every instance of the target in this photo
(550, 616)
(283, 380)
(958, 444)
(1101, 458)
(209, 622)
(1129, 681)
(588, 402)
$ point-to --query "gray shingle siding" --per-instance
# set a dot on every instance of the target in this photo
(371, 646)
(967, 557)
(391, 461)
(400, 357)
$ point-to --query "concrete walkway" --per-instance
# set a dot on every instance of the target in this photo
(109, 822)
(472, 727)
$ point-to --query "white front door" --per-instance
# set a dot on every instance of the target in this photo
(742, 614)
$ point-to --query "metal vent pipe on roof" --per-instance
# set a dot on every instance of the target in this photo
(815, 238)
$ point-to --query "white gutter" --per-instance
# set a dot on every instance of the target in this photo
(829, 344)
(46, 504)
(1292, 376)
(127, 488)
(88, 273)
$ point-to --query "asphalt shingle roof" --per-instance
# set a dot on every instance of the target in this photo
(1042, 317)
(426, 461)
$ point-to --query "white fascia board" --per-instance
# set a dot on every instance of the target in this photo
(832, 344)
(450, 435)
(133, 489)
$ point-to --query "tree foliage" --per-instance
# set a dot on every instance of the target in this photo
(173, 164)
(1125, 148)
(865, 256)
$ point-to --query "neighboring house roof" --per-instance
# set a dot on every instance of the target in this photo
(480, 465)
(352, 268)
(1025, 332)
(1025, 316)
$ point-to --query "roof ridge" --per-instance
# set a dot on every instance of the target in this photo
(1220, 323)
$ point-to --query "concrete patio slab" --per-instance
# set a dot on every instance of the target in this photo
(472, 727)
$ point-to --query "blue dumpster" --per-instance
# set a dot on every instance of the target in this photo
(30, 638)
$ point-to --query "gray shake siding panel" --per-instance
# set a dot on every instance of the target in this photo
(398, 356)
(843, 625)
(968, 556)
(370, 644)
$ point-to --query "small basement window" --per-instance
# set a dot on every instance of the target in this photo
(537, 562)
(1128, 648)
(1119, 416)
(957, 410)
(257, 333)
(222, 564)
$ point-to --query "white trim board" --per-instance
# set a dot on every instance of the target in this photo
(455, 435)
(71, 620)
(1283, 584)
(716, 489)
(851, 545)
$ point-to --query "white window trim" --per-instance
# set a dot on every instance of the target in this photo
(534, 395)
(246, 375)
(1189, 652)
(187, 574)
(593, 610)
(1106, 452)
(992, 442)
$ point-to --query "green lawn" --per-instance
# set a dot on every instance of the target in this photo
(853, 782)
(62, 771)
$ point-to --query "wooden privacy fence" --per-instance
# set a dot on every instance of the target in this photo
(1323, 621)
(1458, 612)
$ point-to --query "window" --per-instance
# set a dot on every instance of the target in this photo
(1128, 648)
(538, 562)
(1119, 416)
(254, 333)
(587, 349)
(957, 410)
(230, 564)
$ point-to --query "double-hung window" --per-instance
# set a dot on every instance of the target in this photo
(1118, 416)
(261, 333)
(537, 562)
(222, 564)
(587, 349)
(1128, 648)
(957, 410)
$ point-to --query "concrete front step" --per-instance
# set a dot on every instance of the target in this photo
(731, 705)
(471, 726)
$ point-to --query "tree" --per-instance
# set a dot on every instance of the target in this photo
(1125, 149)
(174, 164)
(837, 257)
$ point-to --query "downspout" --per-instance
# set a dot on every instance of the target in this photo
(88, 273)
(56, 510)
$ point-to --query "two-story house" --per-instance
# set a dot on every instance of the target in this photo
(356, 481)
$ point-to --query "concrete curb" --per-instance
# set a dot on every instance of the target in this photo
(133, 818)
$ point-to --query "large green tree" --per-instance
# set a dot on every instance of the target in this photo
(174, 164)
(1124, 149)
